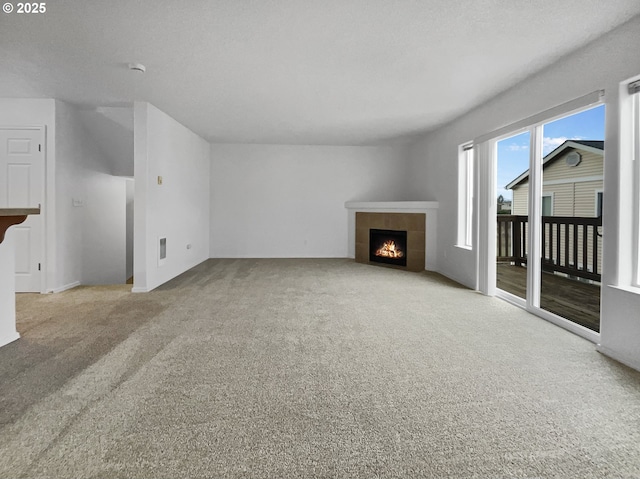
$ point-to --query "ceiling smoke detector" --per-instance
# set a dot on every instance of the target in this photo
(137, 67)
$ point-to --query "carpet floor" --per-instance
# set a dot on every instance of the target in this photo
(307, 368)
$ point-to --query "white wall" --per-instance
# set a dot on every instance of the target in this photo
(104, 255)
(179, 208)
(608, 61)
(91, 235)
(289, 201)
(68, 184)
(111, 130)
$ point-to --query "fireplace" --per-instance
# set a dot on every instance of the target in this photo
(412, 244)
(388, 246)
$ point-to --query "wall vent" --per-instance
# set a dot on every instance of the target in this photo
(162, 251)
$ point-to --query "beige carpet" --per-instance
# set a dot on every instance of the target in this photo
(307, 368)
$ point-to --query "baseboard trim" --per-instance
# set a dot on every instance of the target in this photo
(9, 338)
(138, 289)
(621, 358)
(66, 287)
(453, 278)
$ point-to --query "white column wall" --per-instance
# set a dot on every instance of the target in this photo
(8, 331)
(177, 209)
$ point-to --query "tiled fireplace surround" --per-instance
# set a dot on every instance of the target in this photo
(417, 218)
(412, 223)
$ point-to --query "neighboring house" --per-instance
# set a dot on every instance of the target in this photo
(572, 181)
(572, 186)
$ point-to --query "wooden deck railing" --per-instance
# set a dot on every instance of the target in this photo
(570, 245)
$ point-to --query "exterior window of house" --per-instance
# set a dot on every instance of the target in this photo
(547, 205)
(465, 195)
(599, 197)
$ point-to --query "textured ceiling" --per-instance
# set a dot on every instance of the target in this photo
(295, 71)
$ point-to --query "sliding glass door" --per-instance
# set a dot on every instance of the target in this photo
(512, 158)
(549, 196)
(571, 217)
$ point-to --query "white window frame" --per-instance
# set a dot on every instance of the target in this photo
(465, 195)
(598, 192)
(636, 189)
(628, 194)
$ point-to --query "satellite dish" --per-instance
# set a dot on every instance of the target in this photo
(573, 159)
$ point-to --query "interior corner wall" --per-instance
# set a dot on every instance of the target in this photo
(283, 201)
(68, 184)
(608, 61)
(17, 112)
(178, 208)
(91, 207)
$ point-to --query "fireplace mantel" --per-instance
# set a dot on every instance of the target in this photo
(429, 208)
(392, 206)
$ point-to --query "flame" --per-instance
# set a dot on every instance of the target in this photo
(390, 250)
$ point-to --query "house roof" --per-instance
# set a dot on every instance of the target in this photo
(594, 146)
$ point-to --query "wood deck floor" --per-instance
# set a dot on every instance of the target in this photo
(573, 300)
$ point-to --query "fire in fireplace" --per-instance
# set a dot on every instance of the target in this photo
(388, 246)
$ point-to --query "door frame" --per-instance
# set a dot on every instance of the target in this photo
(43, 216)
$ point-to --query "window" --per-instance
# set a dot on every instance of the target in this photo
(547, 205)
(599, 197)
(465, 196)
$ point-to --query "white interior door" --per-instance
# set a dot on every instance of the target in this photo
(22, 186)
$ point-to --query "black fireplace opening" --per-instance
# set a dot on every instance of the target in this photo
(388, 246)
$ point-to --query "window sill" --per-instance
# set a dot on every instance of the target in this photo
(464, 247)
(626, 289)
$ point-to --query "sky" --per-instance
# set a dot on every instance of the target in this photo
(513, 153)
